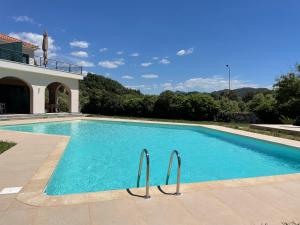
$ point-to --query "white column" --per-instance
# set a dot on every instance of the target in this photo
(38, 99)
(74, 101)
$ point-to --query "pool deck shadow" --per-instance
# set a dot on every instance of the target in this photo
(134, 195)
(29, 164)
(164, 192)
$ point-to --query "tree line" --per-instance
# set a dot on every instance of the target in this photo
(100, 95)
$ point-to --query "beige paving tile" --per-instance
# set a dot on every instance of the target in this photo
(18, 217)
(63, 215)
(209, 210)
(122, 212)
(284, 202)
(249, 207)
(16, 204)
(291, 187)
(6, 201)
(164, 210)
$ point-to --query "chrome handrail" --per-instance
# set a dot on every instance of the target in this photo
(178, 170)
(144, 152)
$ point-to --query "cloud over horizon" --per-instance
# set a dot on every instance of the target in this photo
(111, 64)
(81, 54)
(184, 52)
(79, 44)
(150, 76)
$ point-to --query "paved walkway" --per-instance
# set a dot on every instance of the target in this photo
(258, 204)
(290, 129)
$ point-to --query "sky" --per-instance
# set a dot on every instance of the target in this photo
(162, 45)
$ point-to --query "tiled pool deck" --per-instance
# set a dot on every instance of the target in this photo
(30, 163)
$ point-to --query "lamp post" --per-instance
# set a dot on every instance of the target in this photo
(228, 67)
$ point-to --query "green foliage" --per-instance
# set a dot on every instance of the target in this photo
(287, 95)
(297, 121)
(286, 120)
(5, 146)
(227, 109)
(63, 99)
(264, 106)
(199, 106)
(100, 95)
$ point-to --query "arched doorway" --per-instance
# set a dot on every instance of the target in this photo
(57, 98)
(15, 96)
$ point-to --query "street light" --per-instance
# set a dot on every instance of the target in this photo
(229, 75)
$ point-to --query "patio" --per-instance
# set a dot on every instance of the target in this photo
(271, 201)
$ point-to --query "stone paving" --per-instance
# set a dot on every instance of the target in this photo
(289, 129)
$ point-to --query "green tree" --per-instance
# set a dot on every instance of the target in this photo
(199, 106)
(264, 107)
(227, 109)
(287, 95)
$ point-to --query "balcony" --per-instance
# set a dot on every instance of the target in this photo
(19, 57)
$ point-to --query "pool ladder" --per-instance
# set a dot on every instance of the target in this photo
(146, 153)
(175, 152)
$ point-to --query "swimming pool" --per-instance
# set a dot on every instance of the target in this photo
(104, 155)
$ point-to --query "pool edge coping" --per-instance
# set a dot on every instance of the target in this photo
(33, 192)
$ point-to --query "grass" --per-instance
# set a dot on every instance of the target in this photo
(5, 146)
(239, 126)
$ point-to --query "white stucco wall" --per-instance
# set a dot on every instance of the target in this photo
(38, 79)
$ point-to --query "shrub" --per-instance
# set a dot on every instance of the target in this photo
(297, 121)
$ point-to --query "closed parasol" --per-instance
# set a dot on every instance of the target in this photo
(45, 48)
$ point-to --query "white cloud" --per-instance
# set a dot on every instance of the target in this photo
(25, 19)
(127, 77)
(37, 39)
(103, 49)
(155, 58)
(79, 44)
(150, 76)
(201, 84)
(111, 64)
(120, 53)
(183, 52)
(204, 84)
(146, 64)
(84, 72)
(81, 54)
(85, 63)
(165, 61)
(135, 54)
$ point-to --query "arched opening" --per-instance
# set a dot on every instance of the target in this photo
(57, 98)
(15, 96)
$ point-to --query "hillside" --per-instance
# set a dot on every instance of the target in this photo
(241, 92)
(93, 82)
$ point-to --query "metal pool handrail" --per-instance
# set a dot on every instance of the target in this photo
(144, 152)
(178, 170)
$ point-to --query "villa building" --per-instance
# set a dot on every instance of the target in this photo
(27, 86)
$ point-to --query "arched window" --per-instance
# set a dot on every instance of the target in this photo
(57, 98)
(15, 96)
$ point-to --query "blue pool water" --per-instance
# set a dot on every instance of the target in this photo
(104, 155)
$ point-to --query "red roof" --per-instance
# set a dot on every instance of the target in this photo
(9, 39)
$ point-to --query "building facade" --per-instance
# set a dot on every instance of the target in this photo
(28, 86)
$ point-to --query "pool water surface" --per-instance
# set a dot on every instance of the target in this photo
(104, 155)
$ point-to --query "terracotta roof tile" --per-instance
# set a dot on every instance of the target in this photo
(9, 39)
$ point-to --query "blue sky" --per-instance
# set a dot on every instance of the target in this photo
(158, 45)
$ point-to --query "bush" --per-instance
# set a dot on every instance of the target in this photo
(264, 107)
(297, 121)
(286, 120)
(287, 95)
